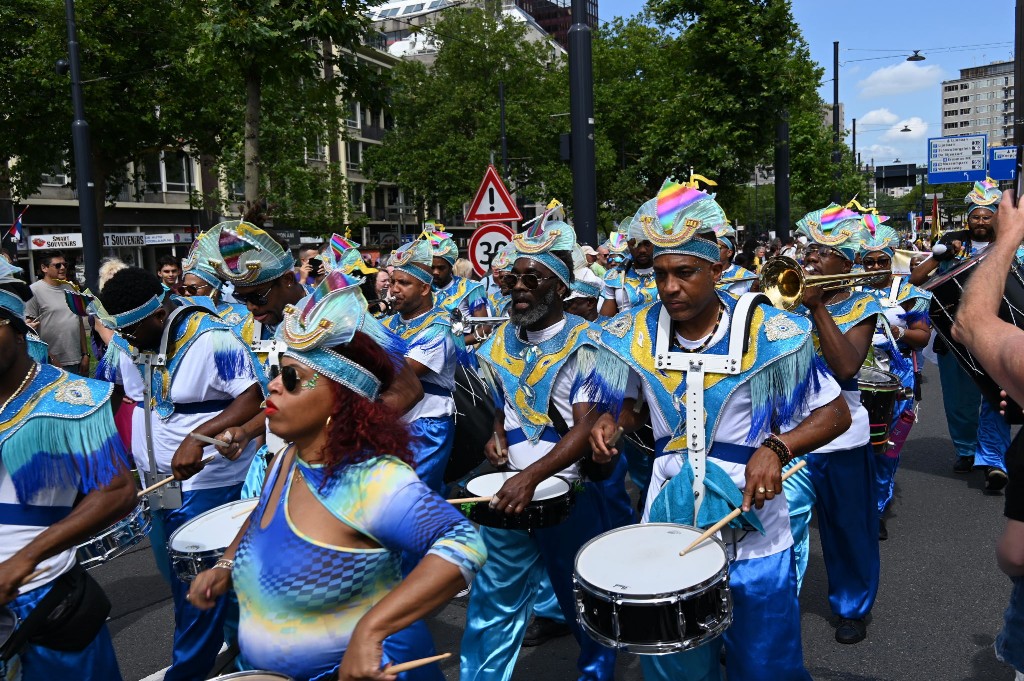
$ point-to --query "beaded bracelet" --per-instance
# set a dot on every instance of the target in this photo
(781, 449)
(224, 563)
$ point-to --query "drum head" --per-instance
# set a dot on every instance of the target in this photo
(254, 676)
(871, 378)
(644, 560)
(488, 484)
(212, 530)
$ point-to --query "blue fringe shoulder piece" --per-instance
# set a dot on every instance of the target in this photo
(60, 433)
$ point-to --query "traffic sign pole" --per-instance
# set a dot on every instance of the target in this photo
(485, 243)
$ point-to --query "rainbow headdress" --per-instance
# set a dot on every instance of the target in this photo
(983, 195)
(683, 213)
(343, 254)
(246, 255)
(328, 317)
(541, 239)
(884, 240)
(197, 262)
(440, 242)
(415, 259)
(9, 301)
(835, 226)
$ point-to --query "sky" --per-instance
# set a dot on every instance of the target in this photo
(877, 86)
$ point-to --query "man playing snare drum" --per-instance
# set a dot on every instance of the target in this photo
(774, 408)
(540, 365)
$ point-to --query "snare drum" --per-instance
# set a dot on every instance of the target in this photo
(254, 676)
(552, 503)
(635, 592)
(9, 623)
(199, 543)
(117, 539)
(879, 391)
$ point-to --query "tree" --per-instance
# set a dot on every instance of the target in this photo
(447, 116)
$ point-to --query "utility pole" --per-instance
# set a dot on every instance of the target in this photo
(782, 175)
(504, 139)
(836, 153)
(581, 113)
(83, 156)
(1018, 88)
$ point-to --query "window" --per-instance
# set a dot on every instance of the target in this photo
(56, 176)
(964, 124)
(174, 172)
(965, 98)
(950, 100)
(390, 12)
(356, 192)
(354, 155)
(316, 150)
(950, 88)
(435, 4)
(964, 112)
(965, 86)
(411, 9)
(947, 126)
(352, 120)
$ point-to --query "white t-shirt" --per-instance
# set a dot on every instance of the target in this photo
(439, 358)
(525, 453)
(733, 428)
(619, 295)
(196, 380)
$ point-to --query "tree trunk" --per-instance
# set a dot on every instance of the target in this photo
(208, 188)
(253, 91)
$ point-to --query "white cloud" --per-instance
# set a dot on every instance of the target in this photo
(900, 79)
(918, 130)
(883, 154)
(878, 117)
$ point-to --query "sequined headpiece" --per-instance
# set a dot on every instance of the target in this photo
(586, 285)
(343, 254)
(9, 301)
(884, 240)
(983, 195)
(246, 255)
(543, 237)
(636, 226)
(683, 213)
(835, 226)
(440, 242)
(415, 259)
(197, 262)
(503, 259)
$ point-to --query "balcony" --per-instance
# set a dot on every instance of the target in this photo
(373, 132)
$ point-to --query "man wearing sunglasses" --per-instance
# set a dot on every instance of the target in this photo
(210, 382)
(48, 313)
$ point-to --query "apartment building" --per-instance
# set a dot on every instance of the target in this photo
(980, 102)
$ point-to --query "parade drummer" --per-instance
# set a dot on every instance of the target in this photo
(64, 476)
(498, 301)
(775, 408)
(839, 480)
(317, 565)
(980, 435)
(210, 382)
(632, 285)
(538, 365)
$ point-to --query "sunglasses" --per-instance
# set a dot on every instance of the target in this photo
(880, 262)
(193, 289)
(290, 378)
(59, 265)
(530, 280)
(257, 299)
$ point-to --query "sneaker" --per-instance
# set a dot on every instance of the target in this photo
(964, 464)
(465, 592)
(851, 631)
(995, 479)
(883, 532)
(542, 629)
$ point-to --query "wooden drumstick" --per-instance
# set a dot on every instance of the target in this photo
(497, 447)
(209, 440)
(616, 436)
(165, 481)
(31, 576)
(736, 512)
(406, 666)
(470, 500)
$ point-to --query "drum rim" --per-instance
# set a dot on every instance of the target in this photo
(893, 385)
(253, 672)
(170, 540)
(668, 597)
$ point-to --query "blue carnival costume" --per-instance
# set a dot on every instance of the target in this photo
(975, 427)
(498, 302)
(735, 279)
(547, 370)
(431, 343)
(464, 294)
(757, 374)
(839, 480)
(57, 441)
(632, 287)
(904, 304)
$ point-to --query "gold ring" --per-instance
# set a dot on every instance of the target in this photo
(761, 490)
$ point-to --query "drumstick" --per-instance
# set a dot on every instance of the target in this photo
(470, 500)
(209, 440)
(31, 576)
(497, 446)
(406, 666)
(165, 481)
(615, 437)
(735, 513)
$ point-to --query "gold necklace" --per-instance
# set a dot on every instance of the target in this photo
(24, 382)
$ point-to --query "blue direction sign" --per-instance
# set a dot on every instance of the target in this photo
(1002, 163)
(956, 159)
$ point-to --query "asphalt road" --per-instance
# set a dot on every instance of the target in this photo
(938, 611)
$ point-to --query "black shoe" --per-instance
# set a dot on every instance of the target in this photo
(883, 533)
(542, 629)
(964, 464)
(995, 479)
(851, 631)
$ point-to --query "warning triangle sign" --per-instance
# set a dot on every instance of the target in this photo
(492, 201)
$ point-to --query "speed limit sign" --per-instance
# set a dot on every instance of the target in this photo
(485, 243)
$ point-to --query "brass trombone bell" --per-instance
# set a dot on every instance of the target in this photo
(783, 280)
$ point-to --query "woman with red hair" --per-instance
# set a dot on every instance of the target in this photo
(317, 566)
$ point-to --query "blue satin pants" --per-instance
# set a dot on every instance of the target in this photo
(975, 428)
(640, 464)
(97, 662)
(506, 588)
(198, 634)
(763, 643)
(431, 444)
(840, 486)
(546, 604)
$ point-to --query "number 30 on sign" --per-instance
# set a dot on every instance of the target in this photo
(485, 243)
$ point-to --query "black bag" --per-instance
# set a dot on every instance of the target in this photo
(67, 618)
(589, 469)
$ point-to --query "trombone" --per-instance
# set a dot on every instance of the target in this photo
(462, 324)
(783, 280)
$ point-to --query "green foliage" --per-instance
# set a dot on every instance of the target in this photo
(447, 117)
